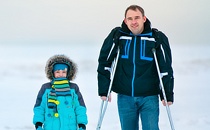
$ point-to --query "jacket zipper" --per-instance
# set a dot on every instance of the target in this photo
(134, 65)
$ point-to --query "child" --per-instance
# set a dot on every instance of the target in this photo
(59, 104)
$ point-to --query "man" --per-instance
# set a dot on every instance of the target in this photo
(136, 79)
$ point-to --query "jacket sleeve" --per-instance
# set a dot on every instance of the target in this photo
(165, 63)
(80, 108)
(107, 54)
(39, 107)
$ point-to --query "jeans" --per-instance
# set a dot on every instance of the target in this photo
(131, 108)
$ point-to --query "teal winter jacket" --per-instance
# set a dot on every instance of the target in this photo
(71, 110)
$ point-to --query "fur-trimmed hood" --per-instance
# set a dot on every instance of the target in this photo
(60, 58)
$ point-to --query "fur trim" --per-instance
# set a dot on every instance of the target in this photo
(72, 67)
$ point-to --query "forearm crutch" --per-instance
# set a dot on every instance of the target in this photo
(105, 103)
(163, 91)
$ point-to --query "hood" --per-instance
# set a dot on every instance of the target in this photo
(72, 67)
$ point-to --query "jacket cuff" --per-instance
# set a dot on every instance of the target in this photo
(169, 97)
(103, 94)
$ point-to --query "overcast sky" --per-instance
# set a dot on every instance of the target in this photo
(90, 21)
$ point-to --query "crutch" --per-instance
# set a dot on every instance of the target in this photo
(163, 91)
(105, 103)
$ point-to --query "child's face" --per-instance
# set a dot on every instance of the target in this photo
(60, 73)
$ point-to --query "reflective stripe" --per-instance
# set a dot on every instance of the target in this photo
(163, 52)
(126, 37)
(107, 68)
(148, 39)
(110, 51)
(163, 74)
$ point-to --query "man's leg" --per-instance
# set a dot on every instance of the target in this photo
(149, 113)
(128, 112)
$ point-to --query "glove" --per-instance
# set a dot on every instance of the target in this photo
(82, 127)
(39, 128)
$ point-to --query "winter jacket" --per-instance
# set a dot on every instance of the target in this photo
(136, 73)
(71, 108)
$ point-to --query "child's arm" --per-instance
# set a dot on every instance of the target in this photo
(80, 108)
(39, 107)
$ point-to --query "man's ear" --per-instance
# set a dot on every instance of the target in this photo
(145, 18)
(124, 21)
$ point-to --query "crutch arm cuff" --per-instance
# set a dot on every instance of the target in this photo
(169, 97)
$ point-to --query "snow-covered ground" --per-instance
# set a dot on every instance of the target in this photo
(22, 74)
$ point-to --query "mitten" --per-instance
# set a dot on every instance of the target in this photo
(82, 127)
(39, 128)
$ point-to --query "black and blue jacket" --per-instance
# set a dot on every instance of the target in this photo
(136, 73)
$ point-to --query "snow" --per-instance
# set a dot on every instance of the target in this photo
(22, 74)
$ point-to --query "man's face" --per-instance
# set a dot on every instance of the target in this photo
(135, 21)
